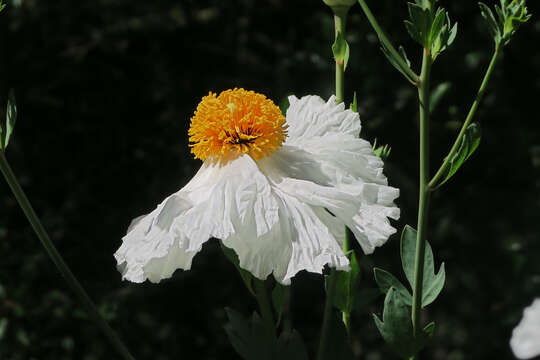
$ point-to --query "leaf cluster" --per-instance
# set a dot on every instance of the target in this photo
(249, 339)
(510, 15)
(433, 30)
(396, 326)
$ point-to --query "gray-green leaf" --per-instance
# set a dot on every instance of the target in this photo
(432, 283)
(385, 281)
(469, 144)
(397, 63)
(248, 337)
(11, 118)
(396, 327)
(346, 286)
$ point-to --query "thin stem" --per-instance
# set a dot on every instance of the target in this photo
(265, 308)
(59, 262)
(340, 21)
(423, 204)
(346, 315)
(328, 306)
(386, 42)
(472, 112)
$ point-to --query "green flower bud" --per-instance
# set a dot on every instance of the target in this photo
(340, 5)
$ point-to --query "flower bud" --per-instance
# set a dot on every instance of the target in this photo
(340, 5)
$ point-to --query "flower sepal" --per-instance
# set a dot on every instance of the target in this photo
(340, 6)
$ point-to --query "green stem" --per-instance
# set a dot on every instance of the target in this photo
(346, 315)
(433, 184)
(59, 262)
(423, 204)
(340, 21)
(265, 308)
(328, 309)
(386, 42)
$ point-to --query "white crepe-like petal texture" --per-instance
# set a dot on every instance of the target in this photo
(282, 214)
(525, 341)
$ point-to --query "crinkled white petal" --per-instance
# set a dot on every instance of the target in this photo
(347, 162)
(283, 214)
(219, 201)
(525, 341)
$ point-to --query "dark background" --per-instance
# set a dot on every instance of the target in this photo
(106, 89)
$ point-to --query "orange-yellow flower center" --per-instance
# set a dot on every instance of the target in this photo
(236, 122)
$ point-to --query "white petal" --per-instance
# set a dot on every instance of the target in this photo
(311, 116)
(218, 202)
(362, 206)
(525, 340)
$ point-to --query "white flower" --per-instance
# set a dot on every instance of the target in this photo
(525, 340)
(277, 192)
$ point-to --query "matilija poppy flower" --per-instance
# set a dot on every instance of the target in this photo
(278, 191)
(525, 340)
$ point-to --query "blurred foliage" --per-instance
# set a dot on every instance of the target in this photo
(105, 91)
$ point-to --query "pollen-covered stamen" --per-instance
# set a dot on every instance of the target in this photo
(236, 122)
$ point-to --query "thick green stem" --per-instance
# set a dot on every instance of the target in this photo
(59, 262)
(265, 308)
(386, 42)
(423, 204)
(472, 112)
(328, 309)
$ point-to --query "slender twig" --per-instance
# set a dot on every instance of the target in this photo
(433, 184)
(386, 42)
(423, 203)
(59, 262)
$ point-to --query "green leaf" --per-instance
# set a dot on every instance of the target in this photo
(396, 64)
(338, 347)
(432, 283)
(437, 25)
(250, 340)
(419, 25)
(365, 297)
(442, 33)
(469, 144)
(248, 337)
(382, 151)
(354, 105)
(341, 50)
(244, 274)
(438, 93)
(347, 285)
(404, 55)
(290, 346)
(11, 118)
(279, 295)
(396, 327)
(413, 32)
(385, 281)
(492, 24)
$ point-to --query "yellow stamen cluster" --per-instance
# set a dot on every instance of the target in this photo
(236, 122)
